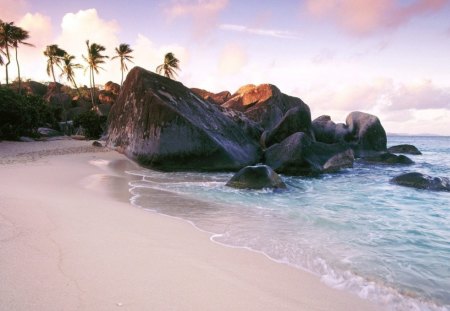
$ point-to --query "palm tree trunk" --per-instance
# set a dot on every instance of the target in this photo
(18, 70)
(91, 76)
(53, 74)
(7, 64)
(76, 87)
(121, 82)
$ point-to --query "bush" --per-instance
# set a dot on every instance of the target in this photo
(92, 123)
(21, 115)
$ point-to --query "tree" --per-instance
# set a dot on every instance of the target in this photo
(94, 58)
(68, 70)
(123, 53)
(6, 30)
(171, 63)
(19, 36)
(55, 56)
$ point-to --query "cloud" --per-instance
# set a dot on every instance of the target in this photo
(259, 31)
(204, 13)
(13, 10)
(325, 55)
(39, 27)
(232, 59)
(361, 17)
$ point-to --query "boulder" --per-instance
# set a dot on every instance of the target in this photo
(405, 149)
(388, 158)
(97, 144)
(214, 98)
(299, 155)
(422, 181)
(297, 119)
(256, 177)
(326, 131)
(264, 104)
(48, 132)
(112, 88)
(366, 133)
(163, 125)
(106, 97)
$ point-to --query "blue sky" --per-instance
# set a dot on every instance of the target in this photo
(386, 57)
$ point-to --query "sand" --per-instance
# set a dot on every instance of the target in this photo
(70, 240)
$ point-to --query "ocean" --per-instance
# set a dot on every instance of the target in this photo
(354, 229)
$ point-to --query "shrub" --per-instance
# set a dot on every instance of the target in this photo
(21, 115)
(91, 122)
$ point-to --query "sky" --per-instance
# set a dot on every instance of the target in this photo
(390, 58)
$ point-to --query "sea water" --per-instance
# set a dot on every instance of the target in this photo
(354, 229)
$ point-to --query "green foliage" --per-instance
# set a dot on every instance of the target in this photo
(21, 115)
(92, 123)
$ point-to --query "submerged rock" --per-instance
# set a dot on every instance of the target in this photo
(422, 181)
(163, 125)
(388, 158)
(256, 177)
(405, 149)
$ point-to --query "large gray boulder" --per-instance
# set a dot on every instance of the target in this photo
(299, 155)
(264, 104)
(256, 177)
(326, 131)
(297, 119)
(366, 132)
(388, 158)
(163, 125)
(422, 181)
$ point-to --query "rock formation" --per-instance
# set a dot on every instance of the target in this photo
(256, 177)
(214, 98)
(405, 149)
(264, 104)
(422, 181)
(163, 125)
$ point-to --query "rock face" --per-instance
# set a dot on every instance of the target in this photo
(326, 131)
(112, 87)
(217, 98)
(362, 131)
(58, 99)
(264, 104)
(34, 88)
(367, 132)
(405, 149)
(299, 155)
(388, 158)
(163, 125)
(256, 177)
(109, 94)
(422, 181)
(297, 119)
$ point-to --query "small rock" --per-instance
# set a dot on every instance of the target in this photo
(405, 149)
(256, 177)
(422, 181)
(48, 132)
(97, 144)
(26, 139)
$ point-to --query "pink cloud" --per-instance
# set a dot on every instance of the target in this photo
(204, 13)
(13, 10)
(362, 17)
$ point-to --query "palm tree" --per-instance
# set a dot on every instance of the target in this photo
(123, 52)
(19, 36)
(68, 70)
(55, 55)
(6, 30)
(94, 58)
(171, 63)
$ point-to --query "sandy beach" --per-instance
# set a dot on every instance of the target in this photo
(70, 240)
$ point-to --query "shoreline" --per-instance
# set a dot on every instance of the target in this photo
(71, 240)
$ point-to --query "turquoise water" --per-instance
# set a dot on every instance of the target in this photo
(354, 229)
